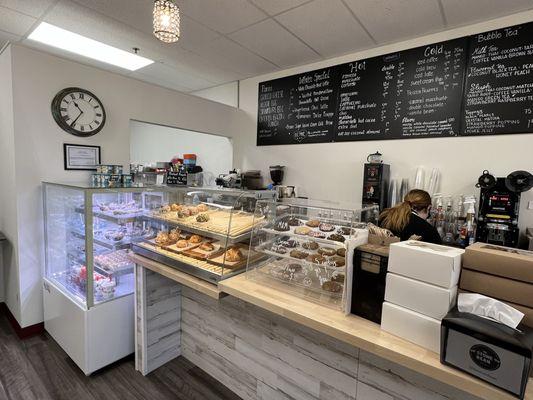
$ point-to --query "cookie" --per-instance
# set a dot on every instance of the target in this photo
(327, 251)
(294, 268)
(341, 252)
(316, 259)
(298, 254)
(337, 261)
(338, 278)
(336, 237)
(331, 286)
(345, 230)
(313, 223)
(317, 234)
(302, 230)
(310, 245)
(290, 243)
(324, 227)
(294, 222)
(281, 226)
(279, 249)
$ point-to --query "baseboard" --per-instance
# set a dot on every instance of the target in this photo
(22, 333)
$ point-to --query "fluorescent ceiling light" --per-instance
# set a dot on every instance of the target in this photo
(74, 43)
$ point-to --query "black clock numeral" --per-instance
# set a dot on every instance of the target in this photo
(96, 106)
(63, 109)
(91, 127)
(82, 128)
(81, 96)
(72, 96)
(98, 115)
(97, 122)
(65, 100)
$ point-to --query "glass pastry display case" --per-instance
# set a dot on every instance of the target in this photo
(304, 246)
(204, 231)
(89, 278)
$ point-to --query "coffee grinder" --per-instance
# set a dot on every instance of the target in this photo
(499, 204)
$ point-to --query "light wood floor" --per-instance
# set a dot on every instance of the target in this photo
(37, 368)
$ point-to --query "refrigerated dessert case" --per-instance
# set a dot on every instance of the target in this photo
(89, 278)
(303, 247)
(204, 232)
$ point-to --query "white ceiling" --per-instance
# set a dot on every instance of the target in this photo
(227, 40)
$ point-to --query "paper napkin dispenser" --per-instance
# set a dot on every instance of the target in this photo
(488, 350)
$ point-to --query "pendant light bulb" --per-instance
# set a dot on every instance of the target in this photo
(166, 21)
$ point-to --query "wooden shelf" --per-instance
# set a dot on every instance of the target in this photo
(197, 284)
(360, 333)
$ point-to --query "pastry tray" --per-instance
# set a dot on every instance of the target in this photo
(218, 259)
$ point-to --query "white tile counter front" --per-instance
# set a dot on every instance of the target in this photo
(262, 352)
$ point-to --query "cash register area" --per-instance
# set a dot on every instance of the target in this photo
(193, 193)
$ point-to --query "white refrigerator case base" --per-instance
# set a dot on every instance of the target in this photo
(92, 338)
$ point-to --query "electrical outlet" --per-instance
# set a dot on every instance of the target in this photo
(530, 205)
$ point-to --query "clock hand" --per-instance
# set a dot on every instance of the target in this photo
(77, 106)
(80, 114)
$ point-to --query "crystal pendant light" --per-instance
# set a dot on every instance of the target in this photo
(166, 21)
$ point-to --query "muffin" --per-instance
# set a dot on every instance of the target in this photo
(337, 261)
(341, 252)
(313, 223)
(204, 218)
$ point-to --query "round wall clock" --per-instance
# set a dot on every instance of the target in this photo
(78, 112)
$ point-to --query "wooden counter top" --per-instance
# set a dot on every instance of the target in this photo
(360, 333)
(197, 284)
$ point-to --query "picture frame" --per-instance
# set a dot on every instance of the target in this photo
(78, 157)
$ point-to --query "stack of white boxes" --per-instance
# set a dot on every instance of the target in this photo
(421, 289)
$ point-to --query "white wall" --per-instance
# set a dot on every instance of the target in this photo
(152, 143)
(334, 170)
(37, 77)
(8, 203)
(226, 94)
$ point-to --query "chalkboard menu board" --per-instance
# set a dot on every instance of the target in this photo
(413, 93)
(499, 82)
(298, 109)
(477, 85)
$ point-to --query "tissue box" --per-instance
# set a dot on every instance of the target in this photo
(488, 350)
(497, 287)
(528, 312)
(498, 260)
(412, 326)
(430, 263)
(433, 301)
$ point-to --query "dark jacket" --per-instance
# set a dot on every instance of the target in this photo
(420, 227)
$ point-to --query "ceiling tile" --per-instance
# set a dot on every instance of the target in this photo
(274, 7)
(223, 16)
(344, 33)
(394, 20)
(35, 8)
(460, 12)
(274, 43)
(231, 56)
(7, 37)
(14, 22)
(175, 76)
(159, 81)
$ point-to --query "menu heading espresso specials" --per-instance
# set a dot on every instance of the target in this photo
(465, 86)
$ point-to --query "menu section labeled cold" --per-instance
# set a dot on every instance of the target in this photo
(298, 109)
(414, 93)
(499, 82)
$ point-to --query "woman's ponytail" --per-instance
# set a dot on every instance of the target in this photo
(396, 218)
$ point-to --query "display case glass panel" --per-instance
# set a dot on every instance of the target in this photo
(203, 231)
(302, 246)
(89, 233)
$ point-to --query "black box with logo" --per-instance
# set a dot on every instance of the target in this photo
(488, 350)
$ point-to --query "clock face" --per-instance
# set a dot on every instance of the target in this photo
(78, 111)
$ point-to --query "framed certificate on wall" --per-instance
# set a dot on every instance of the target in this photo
(81, 157)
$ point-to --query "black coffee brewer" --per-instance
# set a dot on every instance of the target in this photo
(276, 174)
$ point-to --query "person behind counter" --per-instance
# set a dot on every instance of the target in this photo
(409, 218)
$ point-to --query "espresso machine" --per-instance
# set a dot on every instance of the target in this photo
(499, 204)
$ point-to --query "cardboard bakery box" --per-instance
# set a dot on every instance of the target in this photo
(430, 263)
(385, 241)
(433, 301)
(497, 287)
(412, 326)
(488, 350)
(528, 312)
(498, 260)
